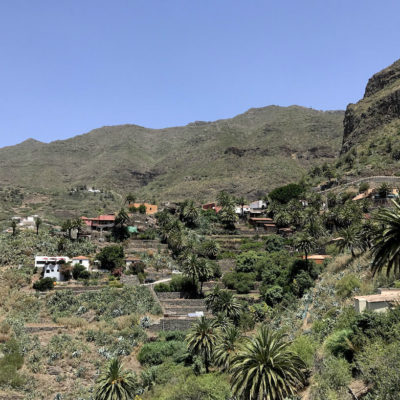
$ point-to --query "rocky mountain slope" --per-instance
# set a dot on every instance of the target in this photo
(247, 154)
(372, 126)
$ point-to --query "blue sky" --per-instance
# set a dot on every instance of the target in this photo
(69, 66)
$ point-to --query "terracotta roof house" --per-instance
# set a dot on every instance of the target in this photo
(368, 193)
(270, 228)
(255, 221)
(102, 222)
(211, 206)
(385, 299)
(318, 258)
(150, 208)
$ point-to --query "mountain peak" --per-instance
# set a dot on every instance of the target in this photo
(383, 79)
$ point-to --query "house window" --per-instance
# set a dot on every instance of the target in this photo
(47, 271)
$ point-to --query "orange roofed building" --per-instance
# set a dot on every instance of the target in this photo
(100, 223)
(150, 208)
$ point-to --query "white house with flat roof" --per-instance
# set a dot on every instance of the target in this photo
(385, 299)
(82, 260)
(51, 266)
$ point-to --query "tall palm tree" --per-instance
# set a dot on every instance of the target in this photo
(227, 347)
(305, 243)
(192, 267)
(266, 369)
(115, 383)
(205, 272)
(202, 339)
(386, 244)
(38, 223)
(189, 213)
(348, 240)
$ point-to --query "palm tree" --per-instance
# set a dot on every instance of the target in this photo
(210, 248)
(192, 267)
(202, 339)
(229, 305)
(223, 301)
(348, 240)
(212, 299)
(386, 243)
(189, 213)
(225, 199)
(266, 369)
(14, 227)
(78, 224)
(228, 217)
(227, 347)
(38, 222)
(115, 383)
(67, 226)
(205, 272)
(305, 243)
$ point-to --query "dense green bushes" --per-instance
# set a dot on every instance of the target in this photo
(44, 284)
(155, 353)
(178, 283)
(11, 363)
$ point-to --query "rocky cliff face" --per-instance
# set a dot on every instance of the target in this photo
(379, 107)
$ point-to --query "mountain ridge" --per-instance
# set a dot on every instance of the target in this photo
(247, 154)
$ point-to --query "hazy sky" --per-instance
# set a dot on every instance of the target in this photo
(69, 66)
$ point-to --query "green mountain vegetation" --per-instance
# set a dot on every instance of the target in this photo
(247, 154)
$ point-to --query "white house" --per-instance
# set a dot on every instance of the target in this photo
(387, 298)
(82, 260)
(238, 209)
(27, 222)
(258, 205)
(51, 266)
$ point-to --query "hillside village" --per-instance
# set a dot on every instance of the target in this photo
(184, 298)
(247, 262)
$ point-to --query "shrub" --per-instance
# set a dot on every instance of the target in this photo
(157, 352)
(44, 284)
(334, 376)
(274, 243)
(240, 281)
(305, 348)
(111, 257)
(286, 193)
(77, 270)
(162, 287)
(245, 262)
(272, 295)
(339, 344)
(363, 187)
(10, 363)
(346, 286)
(84, 275)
